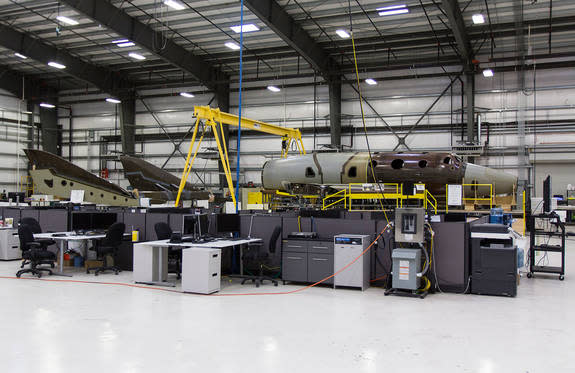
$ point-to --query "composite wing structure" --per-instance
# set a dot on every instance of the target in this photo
(56, 176)
(156, 183)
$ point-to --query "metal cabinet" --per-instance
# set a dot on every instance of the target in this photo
(307, 261)
(9, 244)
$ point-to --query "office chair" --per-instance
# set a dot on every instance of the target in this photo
(164, 232)
(109, 245)
(33, 253)
(35, 228)
(259, 257)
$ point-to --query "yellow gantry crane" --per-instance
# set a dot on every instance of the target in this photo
(215, 120)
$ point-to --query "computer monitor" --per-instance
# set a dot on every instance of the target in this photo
(103, 220)
(196, 225)
(547, 194)
(227, 223)
(81, 221)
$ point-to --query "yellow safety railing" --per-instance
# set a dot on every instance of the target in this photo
(344, 199)
(475, 199)
(431, 201)
(391, 191)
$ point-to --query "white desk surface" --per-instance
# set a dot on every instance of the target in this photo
(565, 208)
(216, 244)
(71, 236)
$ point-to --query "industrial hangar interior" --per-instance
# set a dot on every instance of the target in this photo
(281, 185)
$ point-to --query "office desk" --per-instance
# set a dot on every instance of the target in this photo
(62, 244)
(151, 258)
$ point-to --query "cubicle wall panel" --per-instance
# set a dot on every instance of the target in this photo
(151, 220)
(327, 228)
(53, 220)
(136, 221)
(176, 223)
(451, 255)
(291, 224)
(13, 213)
(29, 213)
(263, 227)
(381, 255)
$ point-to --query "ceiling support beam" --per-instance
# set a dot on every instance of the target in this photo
(105, 13)
(453, 12)
(470, 98)
(104, 79)
(273, 15)
(335, 111)
(128, 124)
(22, 86)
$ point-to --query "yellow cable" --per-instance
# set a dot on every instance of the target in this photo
(363, 119)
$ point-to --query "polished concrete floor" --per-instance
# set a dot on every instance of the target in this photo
(75, 327)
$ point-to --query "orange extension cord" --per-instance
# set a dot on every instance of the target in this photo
(208, 295)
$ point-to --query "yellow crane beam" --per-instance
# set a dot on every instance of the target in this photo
(215, 120)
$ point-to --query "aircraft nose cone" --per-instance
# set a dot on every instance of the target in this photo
(503, 183)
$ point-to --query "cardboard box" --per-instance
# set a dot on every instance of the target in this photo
(93, 263)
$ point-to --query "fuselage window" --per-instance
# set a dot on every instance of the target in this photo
(422, 163)
(352, 172)
(397, 164)
(447, 160)
(309, 172)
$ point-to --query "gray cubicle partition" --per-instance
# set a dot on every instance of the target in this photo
(14, 213)
(451, 255)
(135, 221)
(53, 220)
(290, 224)
(151, 220)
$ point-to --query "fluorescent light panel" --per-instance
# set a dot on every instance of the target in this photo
(478, 19)
(68, 21)
(488, 73)
(186, 94)
(48, 106)
(174, 4)
(56, 65)
(393, 10)
(273, 88)
(232, 45)
(371, 81)
(20, 56)
(113, 100)
(126, 44)
(137, 56)
(250, 27)
(342, 34)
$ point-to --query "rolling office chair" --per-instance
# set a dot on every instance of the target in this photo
(33, 253)
(35, 228)
(259, 257)
(164, 232)
(109, 245)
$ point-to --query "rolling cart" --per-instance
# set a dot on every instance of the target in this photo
(552, 227)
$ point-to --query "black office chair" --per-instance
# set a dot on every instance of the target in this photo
(35, 228)
(33, 253)
(258, 257)
(109, 246)
(164, 232)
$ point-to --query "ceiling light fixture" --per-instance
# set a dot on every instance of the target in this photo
(126, 44)
(250, 27)
(56, 65)
(186, 94)
(488, 73)
(343, 34)
(20, 56)
(478, 19)
(47, 106)
(371, 81)
(232, 45)
(273, 88)
(393, 10)
(137, 56)
(113, 100)
(68, 21)
(174, 4)
(120, 41)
